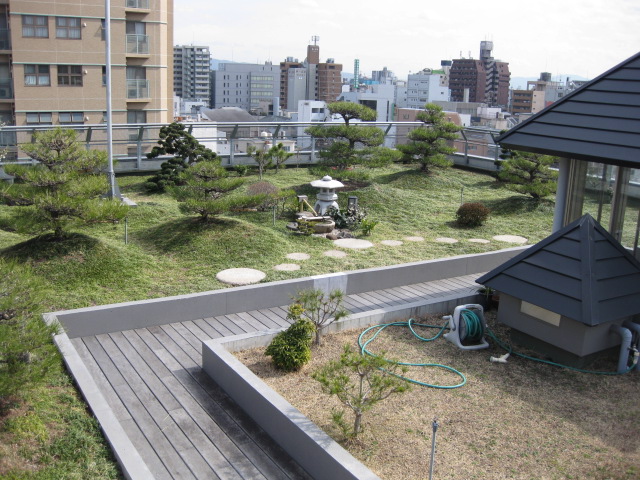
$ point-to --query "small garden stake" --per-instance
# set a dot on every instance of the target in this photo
(433, 447)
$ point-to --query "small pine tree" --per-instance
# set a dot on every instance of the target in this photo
(278, 155)
(175, 140)
(528, 173)
(428, 144)
(321, 309)
(360, 382)
(206, 189)
(261, 157)
(63, 189)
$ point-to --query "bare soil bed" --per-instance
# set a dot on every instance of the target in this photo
(520, 420)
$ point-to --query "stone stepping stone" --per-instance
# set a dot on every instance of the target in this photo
(287, 267)
(240, 276)
(478, 240)
(354, 243)
(414, 239)
(391, 243)
(510, 239)
(335, 253)
(298, 256)
(446, 240)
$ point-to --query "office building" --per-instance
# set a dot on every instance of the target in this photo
(485, 80)
(426, 86)
(191, 67)
(245, 85)
(53, 61)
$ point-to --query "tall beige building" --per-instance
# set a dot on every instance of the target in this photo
(53, 62)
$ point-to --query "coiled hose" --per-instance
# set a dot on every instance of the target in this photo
(474, 329)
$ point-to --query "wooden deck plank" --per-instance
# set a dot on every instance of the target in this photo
(219, 327)
(246, 435)
(145, 351)
(203, 418)
(105, 387)
(279, 319)
(172, 352)
(230, 325)
(146, 450)
(209, 330)
(264, 319)
(266, 322)
(244, 324)
(191, 346)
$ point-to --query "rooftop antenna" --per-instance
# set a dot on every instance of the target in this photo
(315, 39)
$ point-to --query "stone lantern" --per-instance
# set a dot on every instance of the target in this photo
(327, 196)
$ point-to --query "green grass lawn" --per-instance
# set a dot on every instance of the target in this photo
(168, 253)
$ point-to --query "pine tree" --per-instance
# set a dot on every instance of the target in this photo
(428, 144)
(351, 145)
(175, 140)
(528, 173)
(63, 189)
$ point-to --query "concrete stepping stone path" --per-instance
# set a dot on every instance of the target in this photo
(446, 240)
(240, 276)
(391, 243)
(298, 256)
(353, 243)
(287, 267)
(335, 253)
(510, 239)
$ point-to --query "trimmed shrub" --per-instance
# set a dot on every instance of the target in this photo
(291, 349)
(472, 214)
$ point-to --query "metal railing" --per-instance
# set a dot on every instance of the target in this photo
(474, 148)
(143, 4)
(137, 89)
(137, 44)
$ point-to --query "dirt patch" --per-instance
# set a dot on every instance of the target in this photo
(522, 420)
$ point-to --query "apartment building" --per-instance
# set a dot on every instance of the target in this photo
(485, 80)
(53, 61)
(191, 67)
(426, 86)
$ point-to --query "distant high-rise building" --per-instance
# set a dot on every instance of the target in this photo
(426, 86)
(383, 76)
(245, 85)
(323, 80)
(191, 66)
(53, 62)
(485, 80)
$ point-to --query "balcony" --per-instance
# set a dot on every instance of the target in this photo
(137, 44)
(6, 89)
(137, 89)
(141, 4)
(5, 39)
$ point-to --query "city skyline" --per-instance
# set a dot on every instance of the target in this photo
(564, 40)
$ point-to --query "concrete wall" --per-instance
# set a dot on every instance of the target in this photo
(160, 311)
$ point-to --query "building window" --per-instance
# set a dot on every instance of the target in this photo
(136, 116)
(71, 118)
(68, 27)
(37, 75)
(103, 29)
(70, 75)
(42, 118)
(35, 26)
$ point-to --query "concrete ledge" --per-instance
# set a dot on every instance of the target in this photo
(160, 311)
(314, 450)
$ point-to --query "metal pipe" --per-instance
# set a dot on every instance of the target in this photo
(625, 345)
(634, 327)
(107, 37)
(433, 447)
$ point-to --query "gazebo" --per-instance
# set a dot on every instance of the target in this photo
(595, 132)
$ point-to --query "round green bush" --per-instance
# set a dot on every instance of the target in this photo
(472, 214)
(291, 349)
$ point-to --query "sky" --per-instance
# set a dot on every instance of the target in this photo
(562, 37)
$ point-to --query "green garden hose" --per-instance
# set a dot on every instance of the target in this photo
(474, 329)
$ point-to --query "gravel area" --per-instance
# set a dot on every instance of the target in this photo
(520, 420)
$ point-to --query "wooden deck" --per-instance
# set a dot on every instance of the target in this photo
(183, 425)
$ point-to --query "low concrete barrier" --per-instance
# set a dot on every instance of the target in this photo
(146, 313)
(314, 450)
